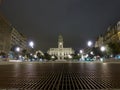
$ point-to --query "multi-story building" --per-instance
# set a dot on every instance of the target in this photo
(17, 39)
(99, 42)
(61, 52)
(10, 37)
(111, 35)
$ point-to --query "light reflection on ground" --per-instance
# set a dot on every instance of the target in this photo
(60, 76)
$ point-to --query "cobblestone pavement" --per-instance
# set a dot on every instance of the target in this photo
(60, 76)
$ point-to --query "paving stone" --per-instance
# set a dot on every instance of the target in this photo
(60, 76)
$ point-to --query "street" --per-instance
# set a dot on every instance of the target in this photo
(60, 76)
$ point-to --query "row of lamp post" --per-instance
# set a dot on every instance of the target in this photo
(18, 49)
(31, 44)
(89, 44)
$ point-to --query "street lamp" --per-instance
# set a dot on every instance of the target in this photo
(102, 48)
(89, 43)
(31, 44)
(18, 49)
(81, 51)
(91, 53)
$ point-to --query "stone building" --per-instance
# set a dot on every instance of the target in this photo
(61, 52)
(10, 37)
(99, 42)
(111, 35)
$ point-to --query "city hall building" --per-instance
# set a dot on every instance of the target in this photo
(61, 52)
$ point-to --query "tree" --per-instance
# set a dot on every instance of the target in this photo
(97, 51)
(76, 55)
(40, 56)
(47, 56)
(115, 47)
(24, 52)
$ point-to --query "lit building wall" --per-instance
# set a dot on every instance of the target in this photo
(18, 39)
(111, 35)
(10, 37)
(99, 42)
(4, 34)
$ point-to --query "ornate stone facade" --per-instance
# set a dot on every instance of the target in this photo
(10, 37)
(111, 35)
(61, 52)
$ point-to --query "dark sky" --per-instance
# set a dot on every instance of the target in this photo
(77, 20)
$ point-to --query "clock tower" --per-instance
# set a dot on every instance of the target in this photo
(61, 53)
(60, 41)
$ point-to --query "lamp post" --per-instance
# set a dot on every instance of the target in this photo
(103, 49)
(81, 52)
(89, 50)
(17, 50)
(31, 44)
(89, 43)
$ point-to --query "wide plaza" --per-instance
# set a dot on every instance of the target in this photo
(59, 75)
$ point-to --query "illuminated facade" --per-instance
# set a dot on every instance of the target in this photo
(99, 42)
(17, 39)
(61, 52)
(10, 37)
(111, 35)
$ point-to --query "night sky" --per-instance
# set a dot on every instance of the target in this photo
(76, 20)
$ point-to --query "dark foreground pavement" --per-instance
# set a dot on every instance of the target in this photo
(60, 76)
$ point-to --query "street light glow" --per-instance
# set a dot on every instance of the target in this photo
(89, 43)
(31, 44)
(18, 49)
(81, 51)
(91, 53)
(102, 48)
